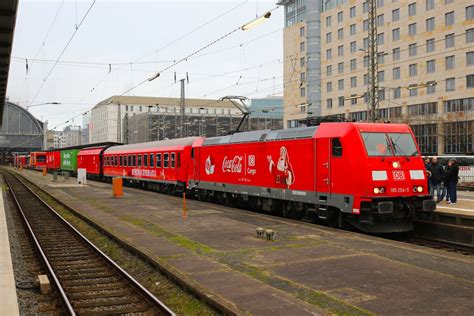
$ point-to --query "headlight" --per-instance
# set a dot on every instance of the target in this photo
(380, 190)
(396, 164)
(418, 189)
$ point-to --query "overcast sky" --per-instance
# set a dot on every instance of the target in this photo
(140, 38)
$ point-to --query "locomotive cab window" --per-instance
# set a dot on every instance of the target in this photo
(336, 147)
(158, 160)
(166, 159)
(173, 159)
(152, 160)
(139, 163)
(145, 160)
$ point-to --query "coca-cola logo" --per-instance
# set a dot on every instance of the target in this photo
(233, 165)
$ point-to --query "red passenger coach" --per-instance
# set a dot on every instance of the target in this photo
(53, 160)
(37, 160)
(162, 164)
(91, 159)
(369, 175)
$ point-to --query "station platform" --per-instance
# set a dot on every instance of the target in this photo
(307, 270)
(464, 205)
(8, 297)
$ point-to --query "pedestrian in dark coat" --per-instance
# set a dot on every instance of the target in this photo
(437, 176)
(452, 180)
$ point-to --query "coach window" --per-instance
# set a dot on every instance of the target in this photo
(120, 161)
(158, 160)
(166, 160)
(152, 160)
(336, 147)
(145, 160)
(134, 160)
(129, 160)
(139, 161)
(173, 158)
(116, 161)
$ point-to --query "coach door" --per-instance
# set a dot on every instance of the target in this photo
(323, 166)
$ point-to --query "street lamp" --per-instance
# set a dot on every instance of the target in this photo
(256, 21)
(33, 105)
(422, 85)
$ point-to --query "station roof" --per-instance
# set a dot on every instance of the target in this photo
(146, 101)
(8, 10)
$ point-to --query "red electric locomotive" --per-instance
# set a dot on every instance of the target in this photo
(37, 160)
(370, 175)
(161, 165)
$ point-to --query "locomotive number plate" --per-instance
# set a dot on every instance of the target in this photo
(398, 175)
(399, 190)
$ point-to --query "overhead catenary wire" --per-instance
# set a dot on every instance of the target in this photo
(63, 50)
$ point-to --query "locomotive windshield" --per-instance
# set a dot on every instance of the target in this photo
(389, 144)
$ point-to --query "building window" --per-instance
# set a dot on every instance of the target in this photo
(470, 12)
(413, 70)
(448, 1)
(353, 99)
(396, 34)
(396, 53)
(126, 108)
(302, 79)
(430, 4)
(340, 84)
(366, 61)
(396, 73)
(353, 29)
(430, 45)
(341, 101)
(353, 64)
(470, 58)
(353, 47)
(303, 92)
(380, 39)
(302, 47)
(431, 88)
(329, 103)
(412, 50)
(366, 79)
(450, 62)
(352, 12)
(329, 86)
(412, 29)
(365, 7)
(328, 21)
(449, 40)
(365, 43)
(381, 75)
(413, 91)
(302, 31)
(430, 66)
(458, 137)
(459, 105)
(340, 34)
(365, 25)
(340, 17)
(395, 15)
(380, 3)
(470, 81)
(302, 62)
(328, 37)
(381, 58)
(328, 53)
(380, 20)
(430, 24)
(329, 70)
(353, 82)
(422, 109)
(397, 93)
(381, 94)
(470, 35)
(340, 50)
(340, 67)
(412, 9)
(450, 84)
(426, 137)
(449, 18)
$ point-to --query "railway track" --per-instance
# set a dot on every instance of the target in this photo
(88, 281)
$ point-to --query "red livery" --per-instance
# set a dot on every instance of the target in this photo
(37, 160)
(91, 160)
(53, 160)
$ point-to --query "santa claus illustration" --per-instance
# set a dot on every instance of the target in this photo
(283, 170)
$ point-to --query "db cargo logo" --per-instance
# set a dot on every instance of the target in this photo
(398, 175)
(233, 165)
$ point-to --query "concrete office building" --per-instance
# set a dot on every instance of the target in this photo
(426, 67)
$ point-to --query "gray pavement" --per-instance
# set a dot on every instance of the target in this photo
(309, 269)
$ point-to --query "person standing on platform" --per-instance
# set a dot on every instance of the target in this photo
(437, 175)
(452, 180)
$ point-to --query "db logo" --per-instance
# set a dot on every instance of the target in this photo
(251, 160)
(398, 175)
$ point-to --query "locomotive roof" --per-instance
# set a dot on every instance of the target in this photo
(179, 142)
(262, 136)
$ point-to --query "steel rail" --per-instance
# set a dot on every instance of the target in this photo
(157, 304)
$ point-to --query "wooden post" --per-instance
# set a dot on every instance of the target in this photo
(117, 187)
(184, 206)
